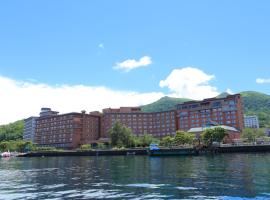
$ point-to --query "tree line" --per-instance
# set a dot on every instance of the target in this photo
(123, 137)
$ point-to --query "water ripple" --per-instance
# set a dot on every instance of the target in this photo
(225, 177)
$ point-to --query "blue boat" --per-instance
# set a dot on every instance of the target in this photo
(154, 150)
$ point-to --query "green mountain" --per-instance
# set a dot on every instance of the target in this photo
(163, 104)
(254, 103)
(12, 131)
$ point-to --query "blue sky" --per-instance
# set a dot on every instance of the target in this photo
(71, 43)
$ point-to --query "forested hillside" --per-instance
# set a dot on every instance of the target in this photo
(163, 104)
(12, 131)
(256, 103)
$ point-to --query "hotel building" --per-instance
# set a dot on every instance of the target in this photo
(251, 121)
(158, 124)
(74, 129)
(67, 130)
(214, 111)
(29, 129)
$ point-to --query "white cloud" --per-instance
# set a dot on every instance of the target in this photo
(130, 64)
(262, 80)
(21, 99)
(101, 45)
(190, 82)
(229, 91)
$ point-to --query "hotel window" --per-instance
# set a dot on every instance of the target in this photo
(231, 102)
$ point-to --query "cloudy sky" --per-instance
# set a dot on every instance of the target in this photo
(88, 55)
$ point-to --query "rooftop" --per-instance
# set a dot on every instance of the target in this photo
(210, 99)
(201, 129)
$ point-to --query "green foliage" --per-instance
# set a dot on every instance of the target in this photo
(50, 149)
(145, 140)
(17, 145)
(256, 103)
(182, 138)
(163, 104)
(101, 145)
(214, 135)
(86, 147)
(167, 141)
(12, 131)
(207, 136)
(121, 136)
(252, 134)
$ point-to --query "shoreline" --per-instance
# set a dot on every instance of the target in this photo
(161, 152)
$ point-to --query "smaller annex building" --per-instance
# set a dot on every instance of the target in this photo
(233, 132)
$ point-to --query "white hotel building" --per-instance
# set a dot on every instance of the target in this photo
(29, 129)
(251, 121)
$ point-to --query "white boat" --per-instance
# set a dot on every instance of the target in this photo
(6, 154)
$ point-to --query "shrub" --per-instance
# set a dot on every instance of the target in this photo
(85, 147)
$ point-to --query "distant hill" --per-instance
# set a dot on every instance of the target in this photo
(254, 103)
(12, 131)
(222, 95)
(163, 104)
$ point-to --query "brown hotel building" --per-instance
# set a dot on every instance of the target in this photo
(158, 124)
(74, 129)
(67, 130)
(223, 111)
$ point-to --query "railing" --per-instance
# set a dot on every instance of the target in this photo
(246, 144)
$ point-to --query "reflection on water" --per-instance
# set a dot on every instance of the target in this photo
(230, 176)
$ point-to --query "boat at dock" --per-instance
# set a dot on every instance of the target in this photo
(6, 154)
(172, 152)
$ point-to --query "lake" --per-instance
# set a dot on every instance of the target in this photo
(225, 176)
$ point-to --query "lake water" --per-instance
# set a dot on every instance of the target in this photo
(227, 176)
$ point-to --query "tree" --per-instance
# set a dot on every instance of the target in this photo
(4, 146)
(85, 147)
(214, 135)
(145, 140)
(219, 134)
(182, 137)
(115, 133)
(128, 138)
(167, 141)
(101, 145)
(121, 136)
(252, 134)
(17, 145)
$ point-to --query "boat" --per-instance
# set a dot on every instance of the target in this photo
(153, 146)
(6, 154)
(154, 150)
